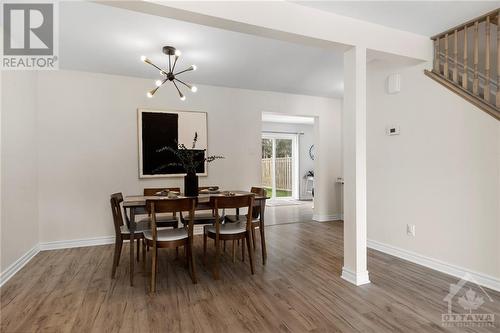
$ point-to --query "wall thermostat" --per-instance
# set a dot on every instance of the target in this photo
(392, 130)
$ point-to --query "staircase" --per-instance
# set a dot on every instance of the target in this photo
(464, 59)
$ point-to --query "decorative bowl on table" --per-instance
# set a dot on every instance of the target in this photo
(210, 190)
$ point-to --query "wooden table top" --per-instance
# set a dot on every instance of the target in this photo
(140, 200)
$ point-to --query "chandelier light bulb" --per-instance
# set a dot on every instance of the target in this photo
(194, 89)
(158, 83)
(177, 53)
(143, 58)
(193, 67)
(149, 94)
(183, 98)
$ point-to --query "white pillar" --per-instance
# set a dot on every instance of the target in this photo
(354, 166)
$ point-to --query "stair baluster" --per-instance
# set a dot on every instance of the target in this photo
(498, 61)
(446, 56)
(465, 76)
(487, 63)
(475, 82)
(455, 56)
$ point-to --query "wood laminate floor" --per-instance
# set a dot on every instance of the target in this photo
(299, 290)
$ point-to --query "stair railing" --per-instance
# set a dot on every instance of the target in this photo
(448, 65)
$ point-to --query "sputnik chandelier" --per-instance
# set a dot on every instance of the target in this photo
(170, 75)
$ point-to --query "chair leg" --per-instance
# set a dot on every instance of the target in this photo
(144, 255)
(191, 261)
(153, 270)
(204, 248)
(234, 250)
(138, 247)
(243, 250)
(253, 237)
(250, 254)
(224, 246)
(116, 256)
(216, 259)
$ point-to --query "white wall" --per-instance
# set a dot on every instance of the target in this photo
(19, 177)
(442, 173)
(87, 143)
(305, 140)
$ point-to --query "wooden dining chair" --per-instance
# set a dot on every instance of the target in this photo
(170, 238)
(162, 220)
(122, 232)
(219, 232)
(256, 219)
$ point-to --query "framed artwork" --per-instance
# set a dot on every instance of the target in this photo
(158, 129)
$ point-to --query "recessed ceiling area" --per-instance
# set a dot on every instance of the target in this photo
(421, 17)
(99, 38)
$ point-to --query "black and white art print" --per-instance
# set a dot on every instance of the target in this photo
(158, 129)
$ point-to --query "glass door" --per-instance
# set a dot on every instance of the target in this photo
(279, 165)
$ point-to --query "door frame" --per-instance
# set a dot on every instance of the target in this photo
(273, 136)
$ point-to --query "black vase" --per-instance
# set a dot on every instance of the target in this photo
(191, 185)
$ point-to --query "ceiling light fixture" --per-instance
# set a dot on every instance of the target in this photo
(170, 75)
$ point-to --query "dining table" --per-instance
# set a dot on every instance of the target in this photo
(136, 205)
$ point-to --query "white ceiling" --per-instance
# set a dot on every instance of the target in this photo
(285, 119)
(99, 38)
(421, 17)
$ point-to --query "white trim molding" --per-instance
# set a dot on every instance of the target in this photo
(68, 244)
(18, 264)
(327, 218)
(438, 265)
(357, 279)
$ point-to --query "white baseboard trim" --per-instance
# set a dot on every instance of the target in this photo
(18, 264)
(357, 279)
(438, 265)
(327, 218)
(68, 244)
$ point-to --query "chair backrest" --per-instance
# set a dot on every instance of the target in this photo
(152, 191)
(228, 202)
(261, 192)
(116, 199)
(157, 206)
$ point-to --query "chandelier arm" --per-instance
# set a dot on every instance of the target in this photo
(158, 68)
(186, 70)
(169, 64)
(175, 62)
(184, 83)
(176, 87)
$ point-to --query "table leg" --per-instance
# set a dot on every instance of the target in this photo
(262, 233)
(132, 232)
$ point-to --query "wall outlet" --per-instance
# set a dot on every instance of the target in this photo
(410, 230)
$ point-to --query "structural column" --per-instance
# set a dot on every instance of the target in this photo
(354, 166)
